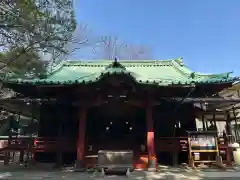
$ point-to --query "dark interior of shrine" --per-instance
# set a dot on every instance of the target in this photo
(116, 126)
(172, 119)
(58, 120)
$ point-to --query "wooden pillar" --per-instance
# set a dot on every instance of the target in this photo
(228, 124)
(60, 116)
(203, 119)
(236, 125)
(150, 138)
(81, 138)
(21, 155)
(214, 119)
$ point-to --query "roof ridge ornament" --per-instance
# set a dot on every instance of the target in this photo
(180, 61)
(116, 64)
(228, 74)
(193, 75)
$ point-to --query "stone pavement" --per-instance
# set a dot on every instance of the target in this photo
(43, 175)
(21, 173)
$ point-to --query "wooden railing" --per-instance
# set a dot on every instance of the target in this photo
(54, 145)
(37, 144)
(171, 144)
(42, 144)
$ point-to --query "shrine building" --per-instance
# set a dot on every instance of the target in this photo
(89, 106)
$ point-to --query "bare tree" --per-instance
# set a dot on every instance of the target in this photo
(112, 48)
(80, 39)
(136, 52)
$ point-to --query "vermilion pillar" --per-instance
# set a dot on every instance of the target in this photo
(81, 138)
(150, 139)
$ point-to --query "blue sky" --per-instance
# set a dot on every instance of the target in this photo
(205, 33)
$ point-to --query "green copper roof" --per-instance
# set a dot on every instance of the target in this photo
(162, 73)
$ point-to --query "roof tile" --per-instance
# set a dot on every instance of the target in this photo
(163, 73)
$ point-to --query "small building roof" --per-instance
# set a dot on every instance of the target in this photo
(158, 72)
